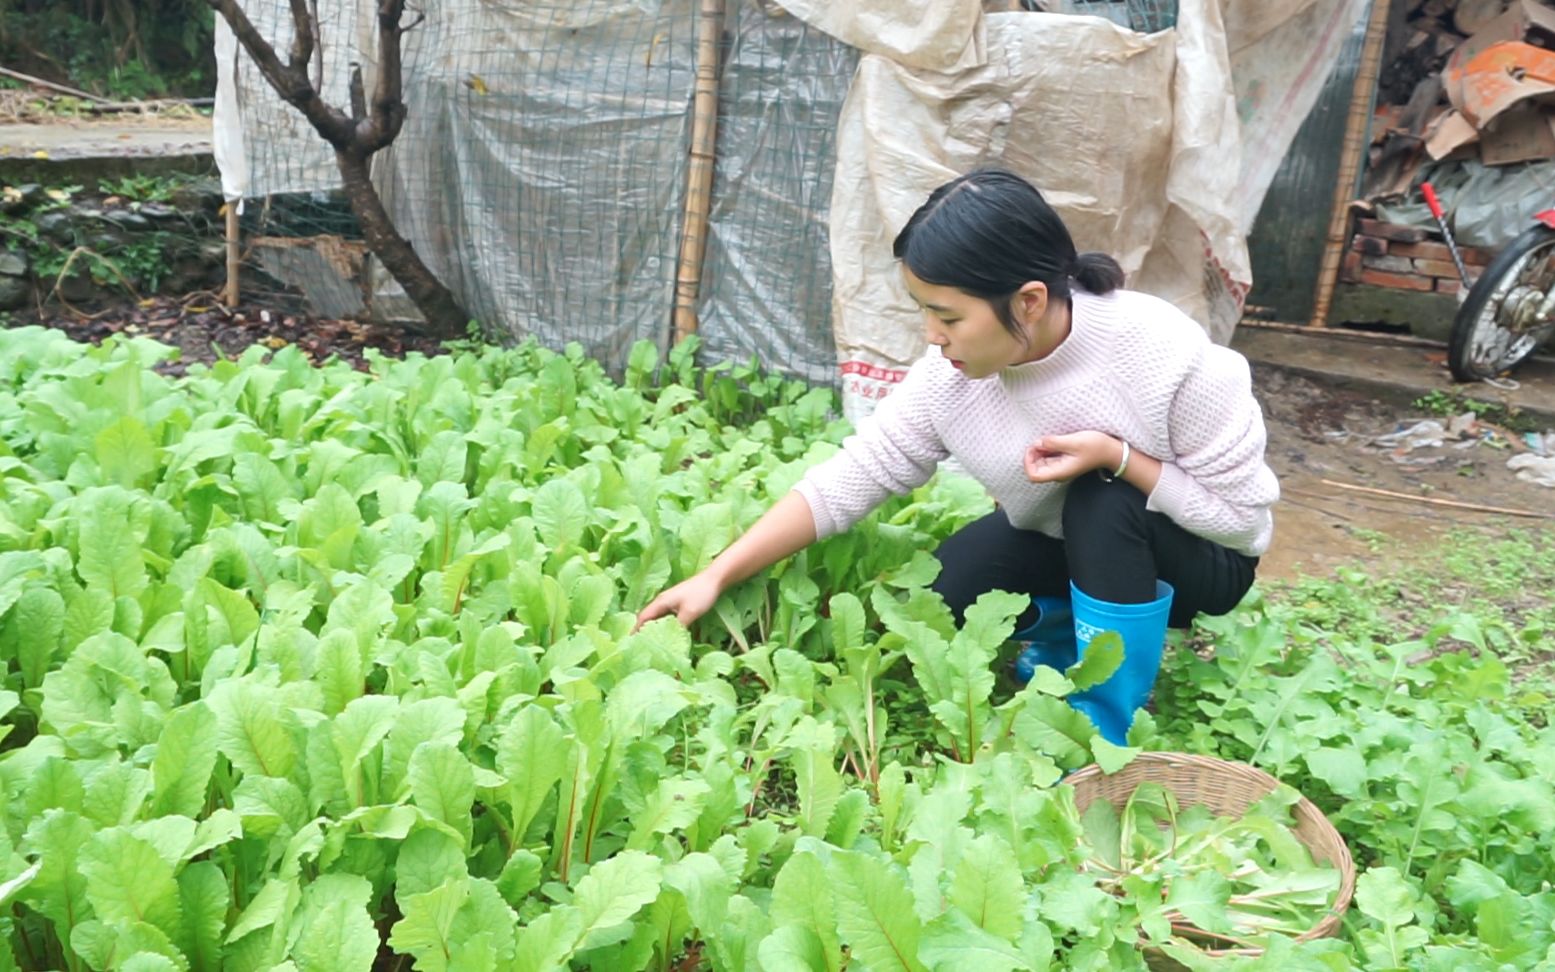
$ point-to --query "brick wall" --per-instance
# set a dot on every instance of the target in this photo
(1399, 257)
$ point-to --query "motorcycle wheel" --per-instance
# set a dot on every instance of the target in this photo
(1510, 310)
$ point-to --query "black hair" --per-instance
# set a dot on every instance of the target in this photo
(989, 233)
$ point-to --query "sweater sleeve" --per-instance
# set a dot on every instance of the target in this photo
(894, 451)
(1217, 485)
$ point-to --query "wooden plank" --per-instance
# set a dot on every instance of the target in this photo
(1471, 15)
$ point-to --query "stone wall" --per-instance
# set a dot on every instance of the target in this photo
(89, 247)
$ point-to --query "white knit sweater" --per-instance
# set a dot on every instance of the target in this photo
(1133, 366)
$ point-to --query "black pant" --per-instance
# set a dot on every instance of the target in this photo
(1113, 549)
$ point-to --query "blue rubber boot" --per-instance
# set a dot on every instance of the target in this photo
(1111, 704)
(1050, 640)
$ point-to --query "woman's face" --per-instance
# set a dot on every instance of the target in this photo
(965, 328)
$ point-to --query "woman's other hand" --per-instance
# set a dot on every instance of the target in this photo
(1060, 458)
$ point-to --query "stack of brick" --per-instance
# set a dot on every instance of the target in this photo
(1402, 258)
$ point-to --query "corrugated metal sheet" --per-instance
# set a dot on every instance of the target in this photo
(1142, 15)
(1286, 244)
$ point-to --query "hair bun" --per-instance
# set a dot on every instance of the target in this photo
(1097, 273)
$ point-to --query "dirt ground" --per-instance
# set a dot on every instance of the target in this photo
(202, 329)
(1319, 433)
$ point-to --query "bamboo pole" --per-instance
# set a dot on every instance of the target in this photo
(61, 88)
(699, 177)
(1357, 126)
(99, 103)
(231, 294)
(1344, 334)
(1454, 504)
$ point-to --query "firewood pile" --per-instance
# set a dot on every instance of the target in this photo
(1462, 79)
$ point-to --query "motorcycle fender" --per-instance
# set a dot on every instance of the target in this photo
(1547, 218)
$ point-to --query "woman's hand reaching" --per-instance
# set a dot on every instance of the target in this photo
(687, 601)
(785, 528)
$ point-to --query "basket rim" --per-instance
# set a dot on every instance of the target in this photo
(1149, 765)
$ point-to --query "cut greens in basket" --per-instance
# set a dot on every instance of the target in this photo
(1221, 881)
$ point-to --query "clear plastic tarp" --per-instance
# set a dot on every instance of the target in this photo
(542, 169)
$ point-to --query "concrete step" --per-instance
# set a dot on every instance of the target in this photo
(1392, 372)
(78, 151)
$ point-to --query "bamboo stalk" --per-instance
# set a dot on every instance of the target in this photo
(1344, 334)
(1476, 507)
(231, 294)
(1286, 497)
(1286, 492)
(699, 177)
(100, 104)
(157, 105)
(1356, 128)
(61, 88)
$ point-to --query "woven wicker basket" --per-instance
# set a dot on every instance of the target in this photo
(1227, 789)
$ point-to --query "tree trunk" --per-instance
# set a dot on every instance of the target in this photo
(369, 128)
(444, 316)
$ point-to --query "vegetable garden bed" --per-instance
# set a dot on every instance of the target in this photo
(316, 669)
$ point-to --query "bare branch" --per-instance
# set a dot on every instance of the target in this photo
(290, 83)
(283, 80)
(318, 50)
(358, 95)
(388, 110)
(303, 36)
